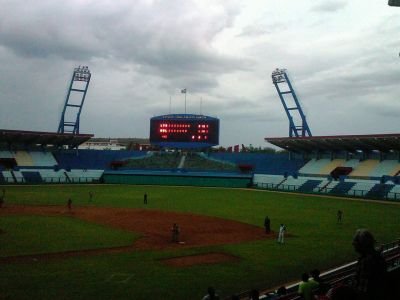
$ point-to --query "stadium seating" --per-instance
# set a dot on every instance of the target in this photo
(43, 159)
(386, 167)
(31, 177)
(380, 190)
(92, 159)
(341, 188)
(23, 158)
(351, 163)
(315, 166)
(196, 161)
(361, 187)
(328, 168)
(76, 176)
(309, 185)
(364, 168)
(321, 187)
(394, 193)
(8, 177)
(267, 181)
(51, 176)
(18, 177)
(6, 154)
(263, 163)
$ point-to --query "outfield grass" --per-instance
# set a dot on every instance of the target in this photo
(318, 242)
(23, 235)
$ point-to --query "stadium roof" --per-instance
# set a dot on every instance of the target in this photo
(183, 117)
(30, 138)
(351, 143)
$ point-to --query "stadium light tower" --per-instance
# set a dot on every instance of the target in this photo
(280, 79)
(73, 107)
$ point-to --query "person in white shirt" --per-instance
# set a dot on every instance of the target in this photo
(281, 235)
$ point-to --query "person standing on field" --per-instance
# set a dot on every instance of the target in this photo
(69, 204)
(90, 196)
(267, 225)
(281, 235)
(339, 216)
(145, 199)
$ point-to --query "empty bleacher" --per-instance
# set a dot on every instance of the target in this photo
(92, 159)
(263, 163)
(51, 176)
(341, 188)
(333, 164)
(315, 166)
(196, 161)
(43, 159)
(364, 168)
(309, 185)
(267, 181)
(23, 158)
(380, 190)
(361, 187)
(84, 176)
(385, 167)
(31, 177)
(394, 193)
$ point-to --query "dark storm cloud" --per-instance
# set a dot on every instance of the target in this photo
(329, 6)
(171, 39)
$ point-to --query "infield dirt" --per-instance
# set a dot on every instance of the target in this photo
(154, 226)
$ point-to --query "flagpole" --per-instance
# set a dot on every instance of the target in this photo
(201, 102)
(169, 104)
(185, 100)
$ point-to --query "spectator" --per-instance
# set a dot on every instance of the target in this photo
(211, 295)
(306, 287)
(371, 274)
(323, 287)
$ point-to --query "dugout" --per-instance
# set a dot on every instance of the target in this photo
(231, 180)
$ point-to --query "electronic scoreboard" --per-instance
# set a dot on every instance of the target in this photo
(184, 131)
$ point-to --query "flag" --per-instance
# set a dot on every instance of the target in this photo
(183, 91)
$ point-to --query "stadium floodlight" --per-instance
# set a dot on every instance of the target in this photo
(394, 3)
(278, 75)
(82, 73)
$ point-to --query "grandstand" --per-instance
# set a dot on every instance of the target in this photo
(354, 165)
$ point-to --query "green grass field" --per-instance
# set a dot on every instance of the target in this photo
(317, 242)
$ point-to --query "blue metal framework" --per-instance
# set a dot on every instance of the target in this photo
(280, 79)
(80, 74)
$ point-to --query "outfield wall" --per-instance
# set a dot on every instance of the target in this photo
(178, 178)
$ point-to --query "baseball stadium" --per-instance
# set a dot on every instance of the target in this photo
(173, 220)
(176, 215)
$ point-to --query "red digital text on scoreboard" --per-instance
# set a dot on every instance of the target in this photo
(193, 131)
(197, 131)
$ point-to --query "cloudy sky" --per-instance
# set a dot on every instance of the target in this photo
(342, 56)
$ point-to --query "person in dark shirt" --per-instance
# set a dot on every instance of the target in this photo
(267, 225)
(69, 204)
(145, 199)
(339, 216)
(371, 274)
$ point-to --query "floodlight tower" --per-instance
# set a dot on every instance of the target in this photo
(79, 85)
(281, 80)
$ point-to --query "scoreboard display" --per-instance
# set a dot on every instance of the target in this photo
(189, 130)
